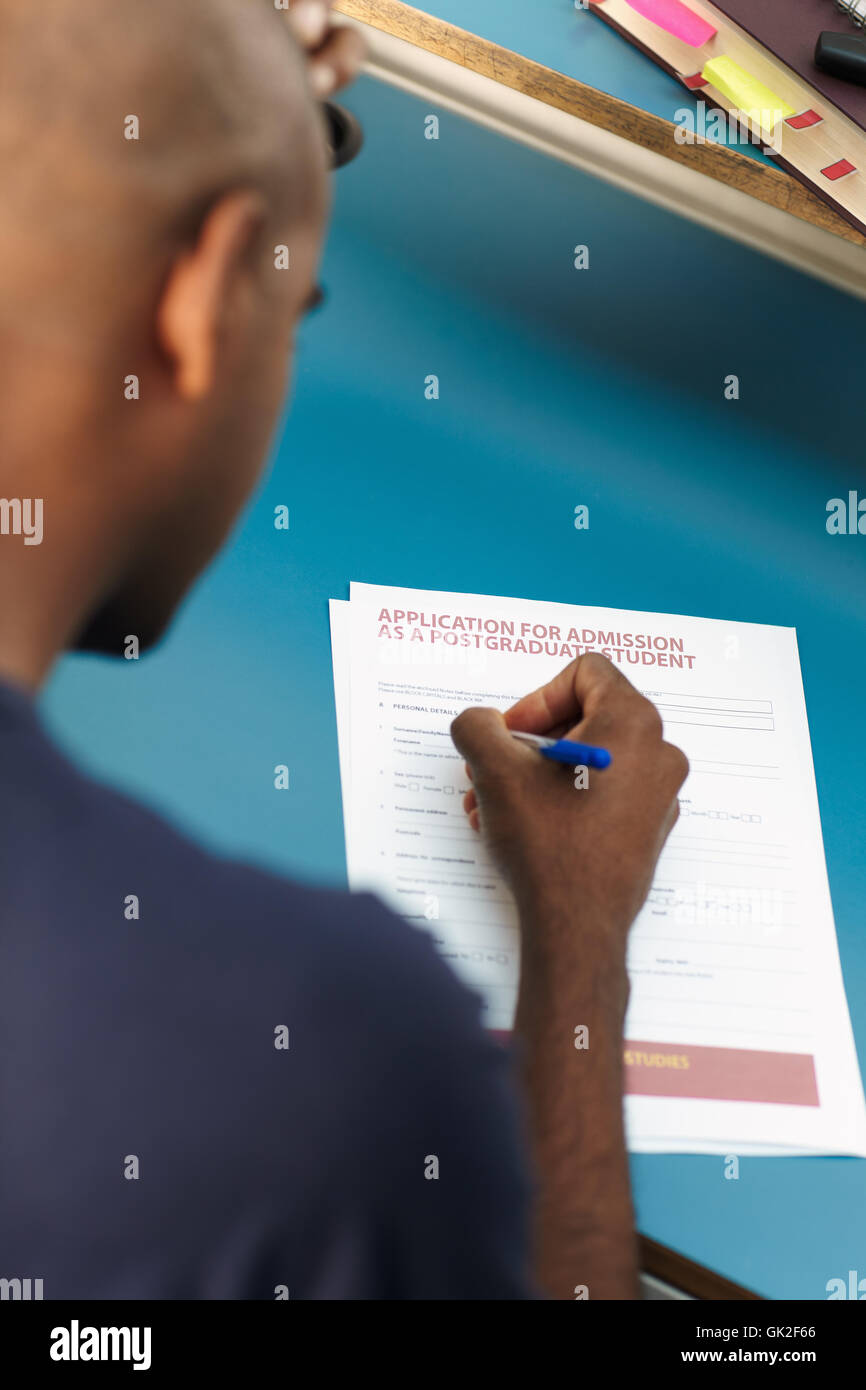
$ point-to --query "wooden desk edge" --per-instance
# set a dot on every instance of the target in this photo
(760, 181)
(687, 1276)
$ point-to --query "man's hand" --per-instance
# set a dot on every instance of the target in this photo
(593, 848)
(580, 862)
(335, 53)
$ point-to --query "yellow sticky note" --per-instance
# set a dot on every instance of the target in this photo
(745, 93)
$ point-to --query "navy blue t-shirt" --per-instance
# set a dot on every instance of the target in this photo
(156, 1143)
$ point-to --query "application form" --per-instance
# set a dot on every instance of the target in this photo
(738, 1037)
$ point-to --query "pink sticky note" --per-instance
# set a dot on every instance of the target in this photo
(676, 19)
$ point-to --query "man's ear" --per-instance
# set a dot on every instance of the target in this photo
(200, 294)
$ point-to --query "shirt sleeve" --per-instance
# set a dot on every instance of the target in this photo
(455, 1207)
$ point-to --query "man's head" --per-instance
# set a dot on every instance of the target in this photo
(155, 159)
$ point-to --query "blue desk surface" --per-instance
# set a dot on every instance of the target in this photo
(557, 387)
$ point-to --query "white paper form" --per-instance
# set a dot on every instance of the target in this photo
(338, 612)
(738, 1037)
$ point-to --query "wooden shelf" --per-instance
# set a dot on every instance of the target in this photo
(726, 166)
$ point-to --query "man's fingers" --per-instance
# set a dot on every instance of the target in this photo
(571, 696)
(492, 758)
(478, 733)
(551, 704)
(334, 53)
(310, 21)
(482, 738)
(338, 62)
(618, 719)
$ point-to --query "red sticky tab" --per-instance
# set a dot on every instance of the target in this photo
(697, 79)
(839, 169)
(719, 1073)
(803, 120)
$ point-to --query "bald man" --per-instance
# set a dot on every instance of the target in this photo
(240, 1097)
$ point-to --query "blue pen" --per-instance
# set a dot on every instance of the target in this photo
(563, 750)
